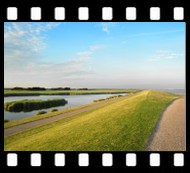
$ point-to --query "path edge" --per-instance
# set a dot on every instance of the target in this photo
(156, 128)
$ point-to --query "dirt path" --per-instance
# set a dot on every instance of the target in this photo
(29, 125)
(170, 132)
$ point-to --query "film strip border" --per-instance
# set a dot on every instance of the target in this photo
(87, 14)
(128, 12)
(95, 159)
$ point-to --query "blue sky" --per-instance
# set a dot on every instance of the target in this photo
(95, 54)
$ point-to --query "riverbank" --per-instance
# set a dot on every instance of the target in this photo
(124, 125)
(8, 93)
(38, 120)
(73, 101)
(65, 111)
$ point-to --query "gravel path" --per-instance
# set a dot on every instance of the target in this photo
(22, 127)
(170, 132)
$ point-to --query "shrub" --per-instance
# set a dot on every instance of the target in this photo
(30, 105)
(120, 95)
(30, 89)
(17, 88)
(99, 100)
(41, 112)
(36, 89)
(83, 89)
(6, 121)
(54, 110)
(111, 97)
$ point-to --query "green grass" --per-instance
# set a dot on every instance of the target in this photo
(64, 92)
(53, 112)
(30, 105)
(42, 116)
(121, 126)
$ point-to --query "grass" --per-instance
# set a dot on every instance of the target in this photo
(47, 115)
(64, 92)
(30, 105)
(121, 126)
(42, 116)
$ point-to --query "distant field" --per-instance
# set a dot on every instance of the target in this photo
(64, 92)
(121, 126)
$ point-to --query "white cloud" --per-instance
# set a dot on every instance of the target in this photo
(91, 50)
(106, 26)
(96, 47)
(155, 33)
(23, 44)
(164, 55)
(85, 53)
(48, 74)
(26, 36)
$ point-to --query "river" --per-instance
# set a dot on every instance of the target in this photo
(73, 100)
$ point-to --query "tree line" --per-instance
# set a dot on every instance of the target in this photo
(43, 89)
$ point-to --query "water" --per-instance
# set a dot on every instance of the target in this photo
(73, 100)
(175, 91)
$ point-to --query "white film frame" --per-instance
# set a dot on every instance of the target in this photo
(107, 15)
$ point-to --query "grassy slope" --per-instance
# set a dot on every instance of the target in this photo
(64, 92)
(50, 114)
(122, 126)
(38, 117)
